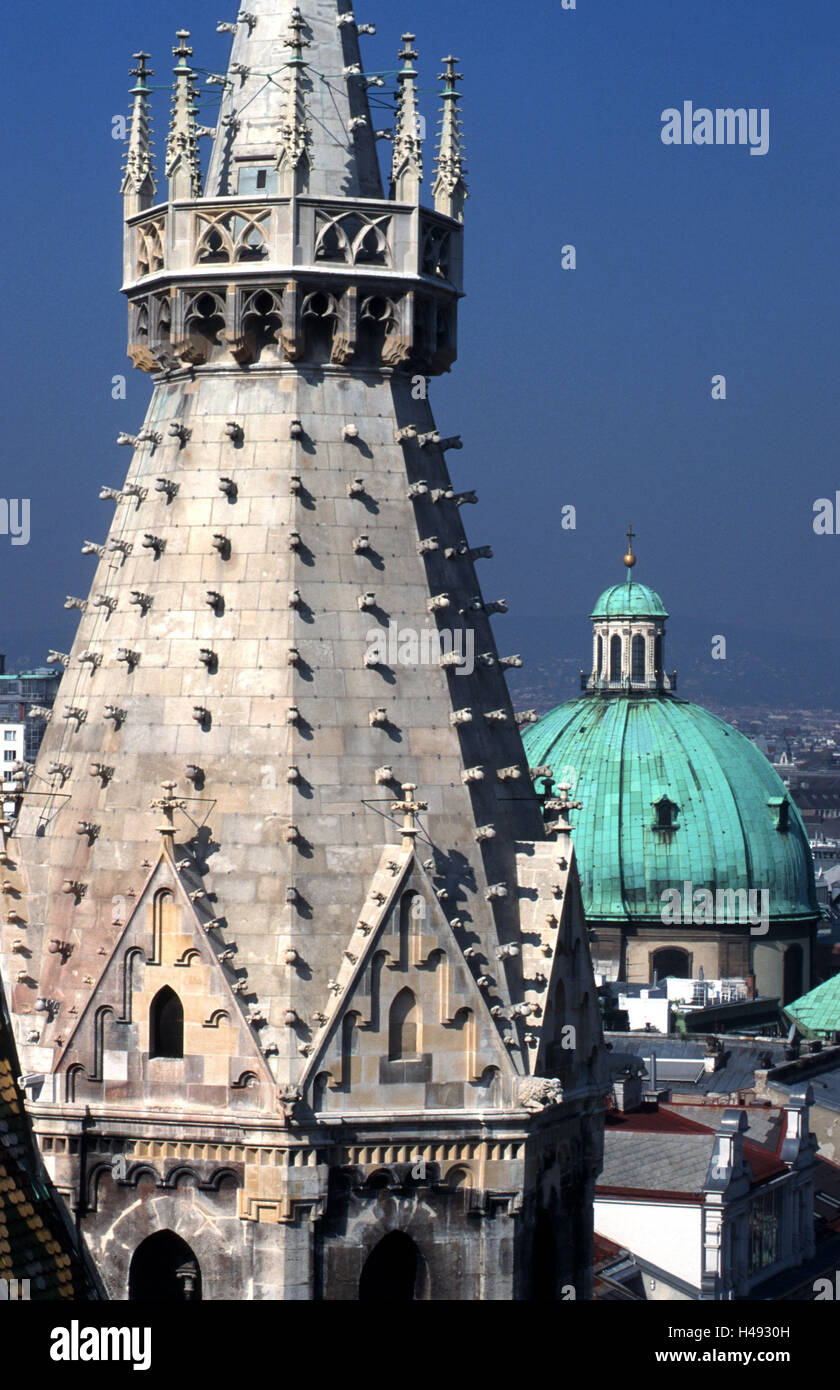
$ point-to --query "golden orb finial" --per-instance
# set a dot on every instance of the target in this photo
(630, 558)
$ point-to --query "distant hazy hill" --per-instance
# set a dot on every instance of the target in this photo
(776, 670)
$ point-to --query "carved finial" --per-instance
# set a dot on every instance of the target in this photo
(169, 804)
(562, 805)
(407, 163)
(410, 809)
(293, 162)
(630, 558)
(138, 187)
(450, 188)
(182, 166)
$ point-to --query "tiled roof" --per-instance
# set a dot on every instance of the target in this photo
(36, 1243)
(656, 1162)
(667, 1152)
(656, 1119)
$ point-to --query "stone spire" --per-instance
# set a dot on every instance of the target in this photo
(407, 165)
(342, 145)
(138, 187)
(450, 188)
(182, 163)
(295, 133)
(286, 621)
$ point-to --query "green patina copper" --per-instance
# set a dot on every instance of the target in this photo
(817, 1014)
(629, 600)
(622, 752)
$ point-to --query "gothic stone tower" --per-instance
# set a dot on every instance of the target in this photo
(309, 1011)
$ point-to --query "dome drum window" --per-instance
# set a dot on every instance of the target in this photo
(615, 658)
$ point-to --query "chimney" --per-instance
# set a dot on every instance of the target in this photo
(628, 1093)
(653, 1094)
(727, 1162)
(798, 1144)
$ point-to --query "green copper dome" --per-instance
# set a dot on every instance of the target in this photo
(629, 600)
(671, 795)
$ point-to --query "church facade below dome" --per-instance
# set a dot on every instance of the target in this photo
(692, 855)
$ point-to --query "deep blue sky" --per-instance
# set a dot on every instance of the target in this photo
(589, 387)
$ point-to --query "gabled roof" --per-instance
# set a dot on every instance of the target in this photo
(180, 950)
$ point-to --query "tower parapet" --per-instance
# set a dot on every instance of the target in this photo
(280, 246)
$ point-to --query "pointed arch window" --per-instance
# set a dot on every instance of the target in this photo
(141, 323)
(164, 1270)
(262, 316)
(615, 658)
(437, 252)
(166, 1025)
(404, 1028)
